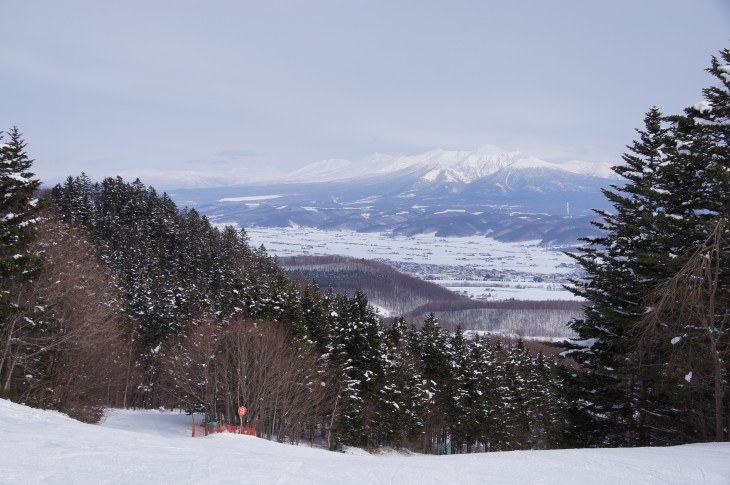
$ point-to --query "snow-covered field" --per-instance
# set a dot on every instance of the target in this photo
(517, 288)
(473, 251)
(151, 447)
(450, 262)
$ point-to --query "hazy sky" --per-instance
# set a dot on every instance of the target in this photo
(173, 91)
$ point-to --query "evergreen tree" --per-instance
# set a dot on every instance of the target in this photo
(621, 265)
(18, 217)
(401, 399)
(434, 350)
(677, 188)
(314, 310)
(459, 392)
(18, 220)
(358, 350)
(173, 265)
(548, 405)
(691, 335)
(483, 407)
(521, 379)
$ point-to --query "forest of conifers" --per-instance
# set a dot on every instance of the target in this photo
(111, 295)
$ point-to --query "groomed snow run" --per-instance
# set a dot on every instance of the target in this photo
(141, 447)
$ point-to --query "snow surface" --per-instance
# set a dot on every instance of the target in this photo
(151, 447)
(249, 198)
(473, 251)
(482, 254)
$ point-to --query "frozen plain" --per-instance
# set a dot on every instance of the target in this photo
(457, 263)
(151, 447)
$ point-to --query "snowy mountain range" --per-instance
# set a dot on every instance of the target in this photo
(455, 166)
(505, 195)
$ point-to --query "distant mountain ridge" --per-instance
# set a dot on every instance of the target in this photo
(461, 166)
(506, 195)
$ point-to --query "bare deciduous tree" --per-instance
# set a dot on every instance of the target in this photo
(66, 350)
(253, 364)
(692, 309)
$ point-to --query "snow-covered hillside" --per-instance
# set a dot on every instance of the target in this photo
(140, 447)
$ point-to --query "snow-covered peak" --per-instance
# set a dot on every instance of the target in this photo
(479, 163)
(582, 167)
(453, 166)
(463, 166)
(320, 171)
(425, 160)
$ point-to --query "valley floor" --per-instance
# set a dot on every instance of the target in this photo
(476, 266)
(41, 447)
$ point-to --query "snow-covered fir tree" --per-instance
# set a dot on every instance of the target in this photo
(630, 389)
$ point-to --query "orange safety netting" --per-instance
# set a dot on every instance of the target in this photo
(224, 428)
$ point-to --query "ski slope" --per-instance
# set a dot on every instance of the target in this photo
(154, 447)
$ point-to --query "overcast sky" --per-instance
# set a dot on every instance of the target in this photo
(174, 91)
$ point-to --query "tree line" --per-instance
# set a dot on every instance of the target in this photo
(383, 285)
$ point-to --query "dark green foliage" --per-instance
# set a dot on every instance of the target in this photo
(174, 264)
(401, 400)
(623, 264)
(18, 266)
(18, 217)
(630, 389)
(483, 396)
(358, 349)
